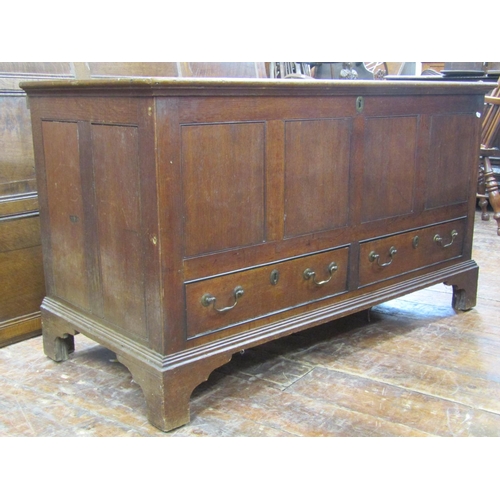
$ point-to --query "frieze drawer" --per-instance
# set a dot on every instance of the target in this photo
(223, 301)
(385, 258)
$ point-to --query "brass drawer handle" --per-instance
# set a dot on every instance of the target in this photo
(439, 240)
(208, 299)
(375, 257)
(310, 274)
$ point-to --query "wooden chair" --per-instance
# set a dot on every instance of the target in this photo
(487, 184)
(290, 70)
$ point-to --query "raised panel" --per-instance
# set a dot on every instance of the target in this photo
(223, 173)
(65, 207)
(17, 165)
(317, 156)
(451, 163)
(121, 253)
(389, 167)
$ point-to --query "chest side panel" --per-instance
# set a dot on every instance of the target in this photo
(96, 175)
(69, 278)
(118, 207)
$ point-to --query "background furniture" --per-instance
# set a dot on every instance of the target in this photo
(487, 184)
(21, 273)
(329, 70)
(186, 220)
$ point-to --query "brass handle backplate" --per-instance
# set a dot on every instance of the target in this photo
(375, 257)
(439, 240)
(310, 274)
(208, 299)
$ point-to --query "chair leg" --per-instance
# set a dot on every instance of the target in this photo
(492, 191)
(481, 194)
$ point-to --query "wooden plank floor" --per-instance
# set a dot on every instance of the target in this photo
(417, 368)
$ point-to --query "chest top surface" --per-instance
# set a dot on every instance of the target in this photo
(254, 86)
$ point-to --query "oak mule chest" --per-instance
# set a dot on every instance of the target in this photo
(184, 220)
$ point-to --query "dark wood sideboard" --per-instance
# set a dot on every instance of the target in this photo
(184, 220)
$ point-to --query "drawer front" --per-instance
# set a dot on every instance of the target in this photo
(385, 258)
(219, 302)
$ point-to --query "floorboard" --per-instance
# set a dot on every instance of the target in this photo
(411, 367)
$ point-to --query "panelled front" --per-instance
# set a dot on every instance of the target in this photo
(256, 174)
(306, 198)
(268, 184)
(259, 174)
(250, 182)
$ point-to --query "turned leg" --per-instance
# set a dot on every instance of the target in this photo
(167, 391)
(492, 191)
(481, 194)
(464, 289)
